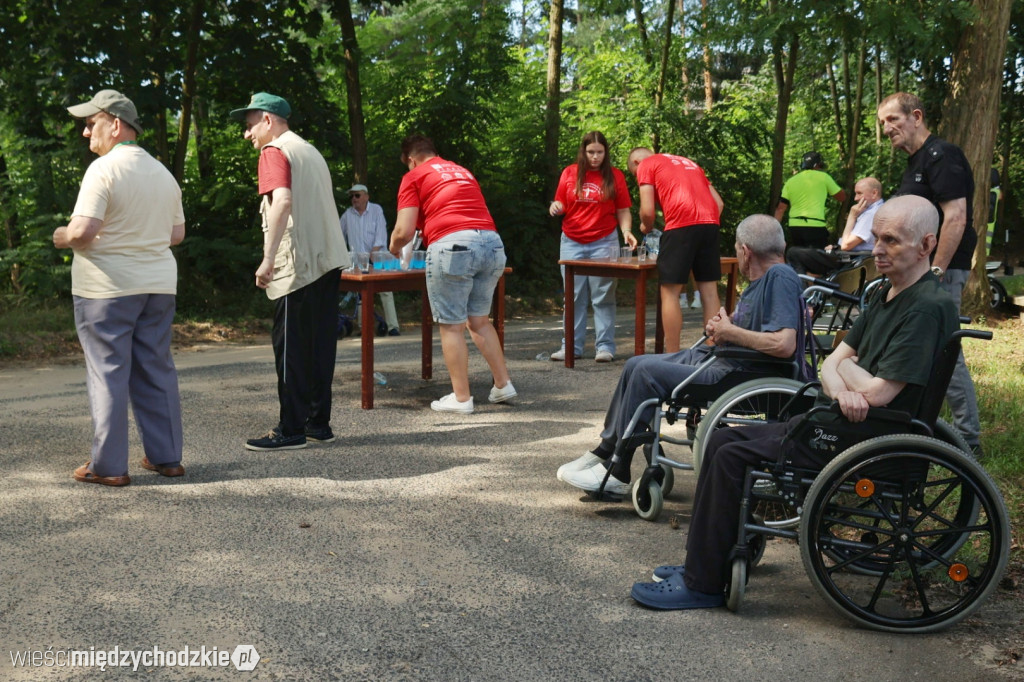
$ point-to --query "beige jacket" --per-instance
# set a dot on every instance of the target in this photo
(312, 244)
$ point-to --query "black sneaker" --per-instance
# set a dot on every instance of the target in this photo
(275, 440)
(322, 434)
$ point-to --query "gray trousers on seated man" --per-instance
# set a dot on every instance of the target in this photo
(651, 376)
(127, 345)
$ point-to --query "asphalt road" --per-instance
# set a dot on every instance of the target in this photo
(419, 546)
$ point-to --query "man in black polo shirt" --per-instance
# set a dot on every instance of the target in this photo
(885, 361)
(939, 172)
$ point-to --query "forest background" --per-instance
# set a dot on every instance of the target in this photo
(506, 88)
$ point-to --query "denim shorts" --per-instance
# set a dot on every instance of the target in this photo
(462, 270)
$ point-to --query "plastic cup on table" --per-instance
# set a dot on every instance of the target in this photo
(363, 259)
(641, 253)
(419, 260)
(625, 253)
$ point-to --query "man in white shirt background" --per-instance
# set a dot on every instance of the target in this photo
(366, 231)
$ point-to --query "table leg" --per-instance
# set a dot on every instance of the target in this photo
(659, 328)
(366, 333)
(730, 292)
(570, 314)
(640, 318)
(427, 337)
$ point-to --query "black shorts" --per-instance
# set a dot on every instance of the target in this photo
(807, 235)
(689, 248)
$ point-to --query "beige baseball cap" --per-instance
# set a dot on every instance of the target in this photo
(110, 102)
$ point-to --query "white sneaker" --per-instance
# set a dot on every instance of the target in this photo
(450, 403)
(684, 302)
(585, 461)
(604, 356)
(559, 355)
(696, 300)
(500, 395)
(590, 480)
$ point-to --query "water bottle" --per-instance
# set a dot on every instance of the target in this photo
(653, 241)
(380, 379)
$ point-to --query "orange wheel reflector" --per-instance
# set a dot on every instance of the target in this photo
(958, 573)
(865, 488)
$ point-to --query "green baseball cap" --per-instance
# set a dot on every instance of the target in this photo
(264, 101)
(109, 102)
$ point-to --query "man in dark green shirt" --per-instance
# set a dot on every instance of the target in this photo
(885, 360)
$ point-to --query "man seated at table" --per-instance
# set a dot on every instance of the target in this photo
(857, 238)
(766, 319)
(885, 361)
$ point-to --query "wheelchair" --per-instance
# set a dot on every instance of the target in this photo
(757, 392)
(903, 531)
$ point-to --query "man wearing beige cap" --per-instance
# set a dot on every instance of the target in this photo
(303, 253)
(366, 231)
(123, 282)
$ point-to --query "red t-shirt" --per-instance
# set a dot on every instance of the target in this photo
(591, 216)
(273, 170)
(681, 189)
(448, 198)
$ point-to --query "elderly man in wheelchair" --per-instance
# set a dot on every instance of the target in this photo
(903, 533)
(767, 318)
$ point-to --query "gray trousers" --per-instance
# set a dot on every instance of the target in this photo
(127, 345)
(651, 376)
(960, 395)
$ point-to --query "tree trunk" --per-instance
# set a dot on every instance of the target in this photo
(204, 153)
(971, 115)
(663, 76)
(837, 117)
(188, 89)
(709, 93)
(552, 118)
(641, 27)
(784, 74)
(354, 94)
(12, 238)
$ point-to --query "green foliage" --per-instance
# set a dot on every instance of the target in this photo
(452, 69)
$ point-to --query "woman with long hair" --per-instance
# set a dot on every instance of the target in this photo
(593, 199)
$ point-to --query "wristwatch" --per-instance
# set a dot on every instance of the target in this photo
(937, 271)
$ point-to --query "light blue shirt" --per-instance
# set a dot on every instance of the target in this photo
(862, 227)
(366, 232)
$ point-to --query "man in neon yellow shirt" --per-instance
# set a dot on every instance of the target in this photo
(804, 195)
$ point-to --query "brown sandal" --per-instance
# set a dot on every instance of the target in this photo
(84, 475)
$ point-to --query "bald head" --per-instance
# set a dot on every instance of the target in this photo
(637, 155)
(916, 215)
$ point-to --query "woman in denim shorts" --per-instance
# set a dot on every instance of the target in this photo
(465, 259)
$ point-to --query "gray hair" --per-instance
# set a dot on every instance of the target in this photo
(762, 234)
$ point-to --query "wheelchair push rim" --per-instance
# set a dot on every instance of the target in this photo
(894, 504)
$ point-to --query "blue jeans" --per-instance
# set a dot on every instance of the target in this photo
(597, 291)
(462, 270)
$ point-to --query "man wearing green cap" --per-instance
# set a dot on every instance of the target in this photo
(303, 253)
(124, 280)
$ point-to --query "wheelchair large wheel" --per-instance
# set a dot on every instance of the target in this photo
(758, 401)
(964, 514)
(896, 504)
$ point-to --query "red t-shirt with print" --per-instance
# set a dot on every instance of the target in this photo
(681, 188)
(591, 216)
(448, 198)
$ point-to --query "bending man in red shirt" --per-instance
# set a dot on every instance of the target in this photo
(465, 259)
(691, 208)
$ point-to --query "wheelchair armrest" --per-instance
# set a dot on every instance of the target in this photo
(748, 355)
